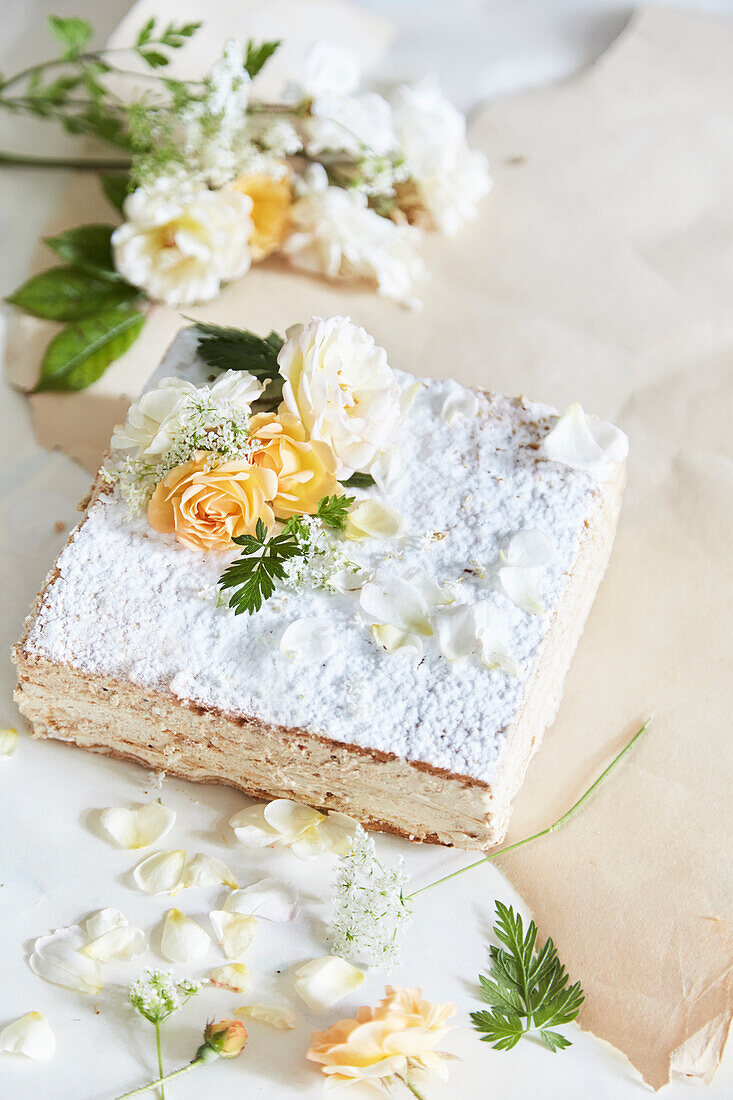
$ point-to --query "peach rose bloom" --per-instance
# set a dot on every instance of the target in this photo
(305, 469)
(399, 1035)
(207, 506)
(271, 202)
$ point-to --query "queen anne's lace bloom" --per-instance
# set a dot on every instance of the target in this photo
(179, 243)
(335, 233)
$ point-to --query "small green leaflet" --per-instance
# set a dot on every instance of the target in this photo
(237, 349)
(115, 186)
(87, 247)
(252, 577)
(70, 294)
(72, 32)
(81, 353)
(358, 481)
(258, 55)
(332, 511)
(527, 989)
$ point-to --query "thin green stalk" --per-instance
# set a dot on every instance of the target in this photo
(168, 1077)
(410, 1086)
(159, 1049)
(550, 828)
(81, 164)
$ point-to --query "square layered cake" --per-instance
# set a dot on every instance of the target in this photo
(440, 549)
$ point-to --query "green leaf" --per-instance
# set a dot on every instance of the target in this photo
(86, 246)
(358, 481)
(81, 353)
(116, 186)
(237, 349)
(154, 58)
(332, 511)
(70, 294)
(72, 32)
(145, 33)
(528, 989)
(258, 55)
(253, 576)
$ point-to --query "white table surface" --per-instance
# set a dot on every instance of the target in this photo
(55, 868)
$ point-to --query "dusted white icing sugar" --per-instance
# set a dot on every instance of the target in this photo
(132, 604)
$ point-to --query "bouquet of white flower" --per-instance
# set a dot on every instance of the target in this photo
(338, 181)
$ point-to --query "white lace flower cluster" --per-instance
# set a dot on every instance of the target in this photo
(370, 912)
(234, 190)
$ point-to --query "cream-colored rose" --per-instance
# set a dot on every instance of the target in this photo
(400, 1034)
(180, 244)
(271, 202)
(207, 506)
(340, 385)
(305, 469)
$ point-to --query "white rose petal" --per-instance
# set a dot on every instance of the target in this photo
(394, 601)
(161, 873)
(291, 819)
(267, 899)
(529, 549)
(234, 931)
(284, 1019)
(310, 640)
(458, 402)
(373, 519)
(103, 921)
(349, 580)
(458, 631)
(152, 419)
(183, 940)
(251, 828)
(496, 649)
(522, 586)
(205, 870)
(30, 1036)
(323, 982)
(59, 959)
(140, 827)
(584, 443)
(118, 943)
(234, 976)
(8, 745)
(336, 832)
(394, 640)
(387, 469)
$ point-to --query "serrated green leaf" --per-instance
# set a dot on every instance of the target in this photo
(503, 998)
(116, 186)
(70, 294)
(146, 33)
(358, 481)
(237, 349)
(553, 1040)
(332, 511)
(502, 1032)
(81, 352)
(71, 32)
(86, 246)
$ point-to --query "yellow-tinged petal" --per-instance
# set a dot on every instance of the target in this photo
(267, 899)
(234, 931)
(8, 745)
(161, 873)
(205, 870)
(290, 819)
(372, 519)
(118, 943)
(284, 1019)
(31, 1036)
(251, 828)
(323, 982)
(183, 940)
(234, 976)
(139, 827)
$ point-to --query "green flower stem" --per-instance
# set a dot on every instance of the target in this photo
(168, 1077)
(550, 828)
(82, 164)
(159, 1050)
(410, 1086)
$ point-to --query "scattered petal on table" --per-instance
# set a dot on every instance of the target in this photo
(234, 976)
(58, 958)
(205, 870)
(30, 1036)
(183, 940)
(161, 873)
(234, 931)
(323, 982)
(137, 828)
(267, 899)
(284, 1019)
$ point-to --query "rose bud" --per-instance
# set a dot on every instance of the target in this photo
(226, 1038)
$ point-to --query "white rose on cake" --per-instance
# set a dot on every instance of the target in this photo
(180, 243)
(339, 384)
(448, 177)
(336, 233)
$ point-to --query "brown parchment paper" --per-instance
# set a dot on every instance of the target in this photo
(599, 270)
